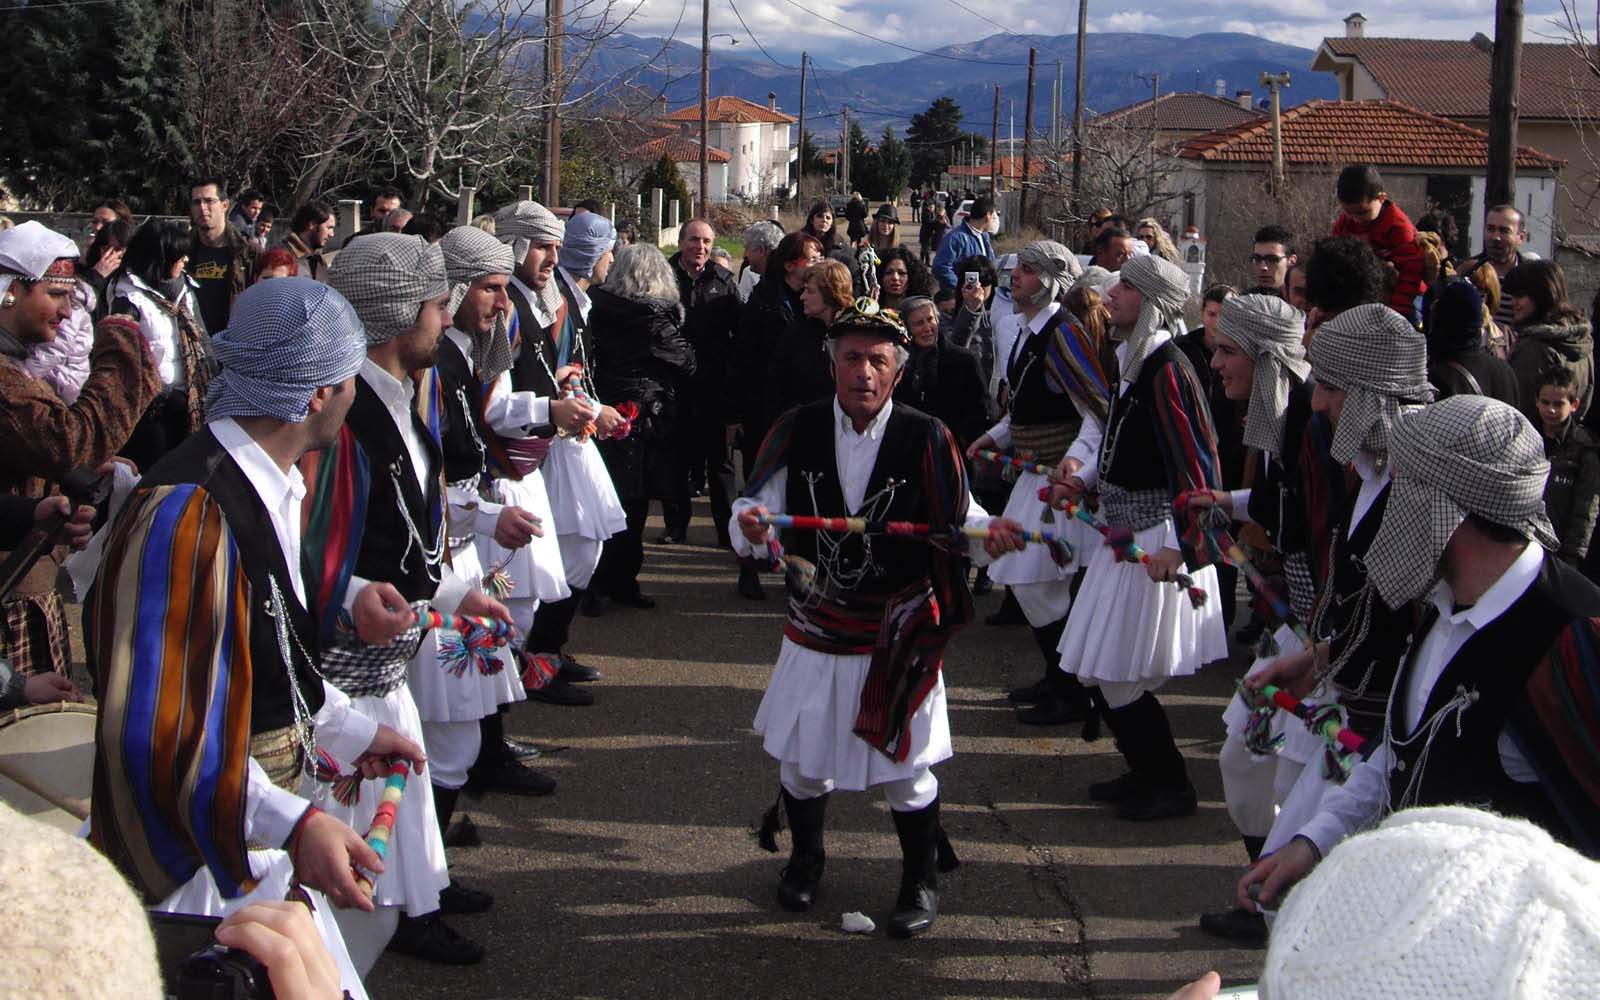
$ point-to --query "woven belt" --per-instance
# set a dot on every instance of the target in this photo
(278, 753)
(1042, 442)
(357, 668)
(1135, 509)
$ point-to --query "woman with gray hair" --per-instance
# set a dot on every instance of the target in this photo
(941, 380)
(640, 355)
(759, 240)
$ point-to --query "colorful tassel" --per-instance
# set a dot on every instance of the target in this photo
(345, 788)
(538, 670)
(1121, 541)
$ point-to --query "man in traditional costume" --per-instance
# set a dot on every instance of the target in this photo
(1493, 705)
(45, 437)
(378, 514)
(1130, 628)
(857, 697)
(1059, 400)
(200, 602)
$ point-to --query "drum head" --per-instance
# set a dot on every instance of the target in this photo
(52, 746)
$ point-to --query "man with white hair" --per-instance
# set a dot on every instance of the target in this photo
(1130, 628)
(1493, 705)
(1059, 400)
(46, 438)
(760, 239)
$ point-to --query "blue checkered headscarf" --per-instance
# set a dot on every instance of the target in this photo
(285, 339)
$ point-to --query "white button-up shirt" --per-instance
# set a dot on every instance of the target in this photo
(1086, 446)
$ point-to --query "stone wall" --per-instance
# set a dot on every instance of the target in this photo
(76, 224)
(1581, 267)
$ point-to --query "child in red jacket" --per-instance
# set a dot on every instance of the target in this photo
(1374, 218)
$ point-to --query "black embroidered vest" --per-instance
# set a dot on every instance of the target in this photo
(461, 430)
(396, 504)
(1032, 402)
(1130, 453)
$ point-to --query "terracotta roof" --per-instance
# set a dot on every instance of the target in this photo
(732, 109)
(680, 148)
(1452, 78)
(1382, 133)
(1010, 168)
(1180, 112)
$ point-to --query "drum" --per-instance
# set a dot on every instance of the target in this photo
(47, 762)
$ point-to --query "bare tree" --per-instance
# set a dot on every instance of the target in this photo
(1125, 169)
(1582, 101)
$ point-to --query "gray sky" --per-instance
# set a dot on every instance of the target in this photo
(786, 26)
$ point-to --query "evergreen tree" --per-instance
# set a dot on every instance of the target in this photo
(813, 162)
(664, 175)
(934, 136)
(893, 164)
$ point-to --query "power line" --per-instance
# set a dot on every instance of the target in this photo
(983, 17)
(897, 45)
(753, 37)
(55, 6)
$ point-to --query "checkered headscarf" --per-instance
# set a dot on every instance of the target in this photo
(1270, 330)
(1057, 266)
(1381, 362)
(524, 223)
(387, 277)
(1165, 288)
(470, 254)
(285, 339)
(1463, 455)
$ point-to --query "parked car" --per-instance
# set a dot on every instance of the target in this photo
(966, 210)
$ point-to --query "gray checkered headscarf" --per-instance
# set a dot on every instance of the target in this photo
(470, 254)
(1463, 455)
(285, 339)
(521, 224)
(1381, 362)
(1057, 267)
(1165, 288)
(387, 277)
(1270, 330)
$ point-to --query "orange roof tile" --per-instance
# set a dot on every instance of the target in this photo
(1010, 168)
(680, 148)
(1183, 112)
(732, 109)
(1452, 77)
(1382, 133)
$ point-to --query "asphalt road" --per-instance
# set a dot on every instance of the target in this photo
(640, 876)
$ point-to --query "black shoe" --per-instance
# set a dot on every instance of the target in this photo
(750, 584)
(594, 604)
(520, 749)
(915, 910)
(802, 876)
(982, 584)
(917, 905)
(636, 599)
(1031, 695)
(432, 940)
(670, 538)
(559, 692)
(1237, 924)
(1055, 711)
(574, 672)
(515, 778)
(799, 882)
(1155, 802)
(456, 898)
(1115, 790)
(1010, 613)
(463, 833)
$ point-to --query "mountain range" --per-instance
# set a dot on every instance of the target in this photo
(1119, 70)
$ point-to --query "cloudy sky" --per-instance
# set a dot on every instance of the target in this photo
(787, 26)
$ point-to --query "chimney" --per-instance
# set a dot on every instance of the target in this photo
(772, 101)
(1222, 88)
(1243, 98)
(661, 106)
(1355, 26)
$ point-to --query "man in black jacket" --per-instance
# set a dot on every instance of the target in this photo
(710, 296)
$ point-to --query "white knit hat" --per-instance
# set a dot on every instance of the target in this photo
(1442, 902)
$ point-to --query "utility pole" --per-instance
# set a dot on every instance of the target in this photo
(1505, 72)
(844, 149)
(554, 42)
(994, 146)
(1055, 113)
(800, 172)
(705, 109)
(1275, 82)
(1027, 145)
(1077, 113)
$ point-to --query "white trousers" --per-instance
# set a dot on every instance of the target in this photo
(1043, 603)
(451, 748)
(579, 556)
(1254, 786)
(367, 934)
(905, 795)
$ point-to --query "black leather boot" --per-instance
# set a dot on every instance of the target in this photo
(917, 906)
(797, 885)
(1124, 787)
(1164, 790)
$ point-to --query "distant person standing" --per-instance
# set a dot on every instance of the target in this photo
(221, 259)
(965, 240)
(855, 216)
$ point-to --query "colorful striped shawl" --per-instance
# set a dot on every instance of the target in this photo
(1558, 728)
(168, 622)
(1072, 366)
(338, 486)
(1188, 440)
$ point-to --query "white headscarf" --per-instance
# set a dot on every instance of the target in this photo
(28, 251)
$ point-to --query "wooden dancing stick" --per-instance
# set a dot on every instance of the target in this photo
(382, 828)
(1037, 468)
(1326, 726)
(78, 808)
(862, 526)
(1258, 583)
(1130, 549)
(500, 630)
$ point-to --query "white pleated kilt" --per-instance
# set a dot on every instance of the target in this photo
(1124, 627)
(444, 697)
(1032, 564)
(535, 569)
(275, 874)
(809, 711)
(414, 870)
(580, 487)
(1302, 803)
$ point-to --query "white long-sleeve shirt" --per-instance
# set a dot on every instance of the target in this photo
(1086, 446)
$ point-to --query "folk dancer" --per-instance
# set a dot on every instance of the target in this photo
(1493, 703)
(1130, 629)
(378, 514)
(200, 601)
(1058, 403)
(838, 713)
